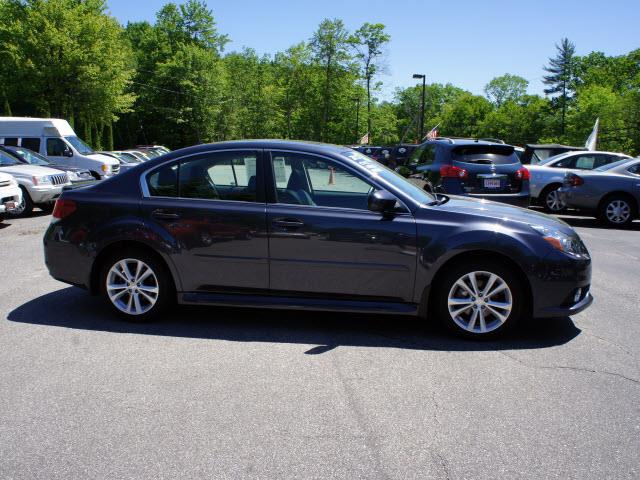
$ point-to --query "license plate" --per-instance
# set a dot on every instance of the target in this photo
(492, 183)
(10, 205)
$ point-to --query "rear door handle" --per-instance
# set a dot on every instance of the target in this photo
(164, 215)
(288, 223)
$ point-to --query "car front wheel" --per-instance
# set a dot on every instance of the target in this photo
(136, 285)
(479, 299)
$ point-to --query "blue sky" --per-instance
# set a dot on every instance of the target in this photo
(464, 42)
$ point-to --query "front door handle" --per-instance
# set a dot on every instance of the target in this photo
(164, 215)
(288, 223)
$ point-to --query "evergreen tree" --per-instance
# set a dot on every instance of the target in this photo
(561, 72)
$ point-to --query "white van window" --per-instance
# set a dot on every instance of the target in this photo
(55, 147)
(31, 144)
(79, 145)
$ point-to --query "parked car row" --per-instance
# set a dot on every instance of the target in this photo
(538, 175)
(45, 156)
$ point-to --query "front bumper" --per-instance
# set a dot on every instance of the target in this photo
(560, 286)
(45, 194)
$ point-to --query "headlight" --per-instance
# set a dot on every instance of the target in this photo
(561, 241)
(73, 176)
(44, 180)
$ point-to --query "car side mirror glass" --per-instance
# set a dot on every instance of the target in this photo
(67, 152)
(381, 201)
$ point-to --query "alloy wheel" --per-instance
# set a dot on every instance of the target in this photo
(480, 302)
(618, 211)
(554, 202)
(132, 286)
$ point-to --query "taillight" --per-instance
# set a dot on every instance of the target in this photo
(63, 208)
(523, 174)
(449, 171)
(575, 180)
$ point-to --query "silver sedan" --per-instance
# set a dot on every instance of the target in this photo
(611, 192)
(547, 177)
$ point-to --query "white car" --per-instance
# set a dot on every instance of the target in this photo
(10, 194)
(40, 185)
(547, 176)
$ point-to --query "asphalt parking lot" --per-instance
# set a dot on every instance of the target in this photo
(232, 393)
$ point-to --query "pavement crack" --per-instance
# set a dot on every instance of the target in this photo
(567, 367)
(610, 342)
(444, 464)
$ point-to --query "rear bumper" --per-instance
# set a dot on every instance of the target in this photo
(518, 199)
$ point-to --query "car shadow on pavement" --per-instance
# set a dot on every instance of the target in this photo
(74, 308)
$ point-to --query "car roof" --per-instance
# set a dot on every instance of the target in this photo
(455, 142)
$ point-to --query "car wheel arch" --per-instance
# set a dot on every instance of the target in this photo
(429, 291)
(108, 250)
(620, 193)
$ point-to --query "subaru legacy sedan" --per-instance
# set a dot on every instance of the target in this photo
(297, 225)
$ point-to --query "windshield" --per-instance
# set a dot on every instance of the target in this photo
(604, 168)
(6, 159)
(395, 179)
(30, 157)
(79, 145)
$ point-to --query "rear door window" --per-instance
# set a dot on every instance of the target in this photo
(423, 155)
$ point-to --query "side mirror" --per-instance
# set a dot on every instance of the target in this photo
(382, 202)
(67, 152)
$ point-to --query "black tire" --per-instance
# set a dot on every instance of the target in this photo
(166, 291)
(544, 201)
(495, 327)
(25, 208)
(607, 217)
(46, 207)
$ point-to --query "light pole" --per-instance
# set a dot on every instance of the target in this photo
(424, 86)
(357, 100)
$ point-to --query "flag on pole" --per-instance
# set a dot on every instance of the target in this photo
(433, 133)
(593, 138)
(365, 139)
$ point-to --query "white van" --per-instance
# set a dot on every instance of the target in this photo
(55, 139)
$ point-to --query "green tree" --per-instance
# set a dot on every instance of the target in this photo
(506, 88)
(66, 59)
(369, 41)
(561, 71)
(463, 116)
(330, 46)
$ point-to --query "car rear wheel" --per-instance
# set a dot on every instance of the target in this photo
(617, 211)
(479, 299)
(551, 200)
(136, 285)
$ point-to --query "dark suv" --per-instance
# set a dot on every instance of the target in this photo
(474, 168)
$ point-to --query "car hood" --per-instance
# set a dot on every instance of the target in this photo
(28, 170)
(5, 176)
(500, 212)
(104, 158)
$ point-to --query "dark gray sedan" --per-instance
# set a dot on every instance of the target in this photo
(611, 192)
